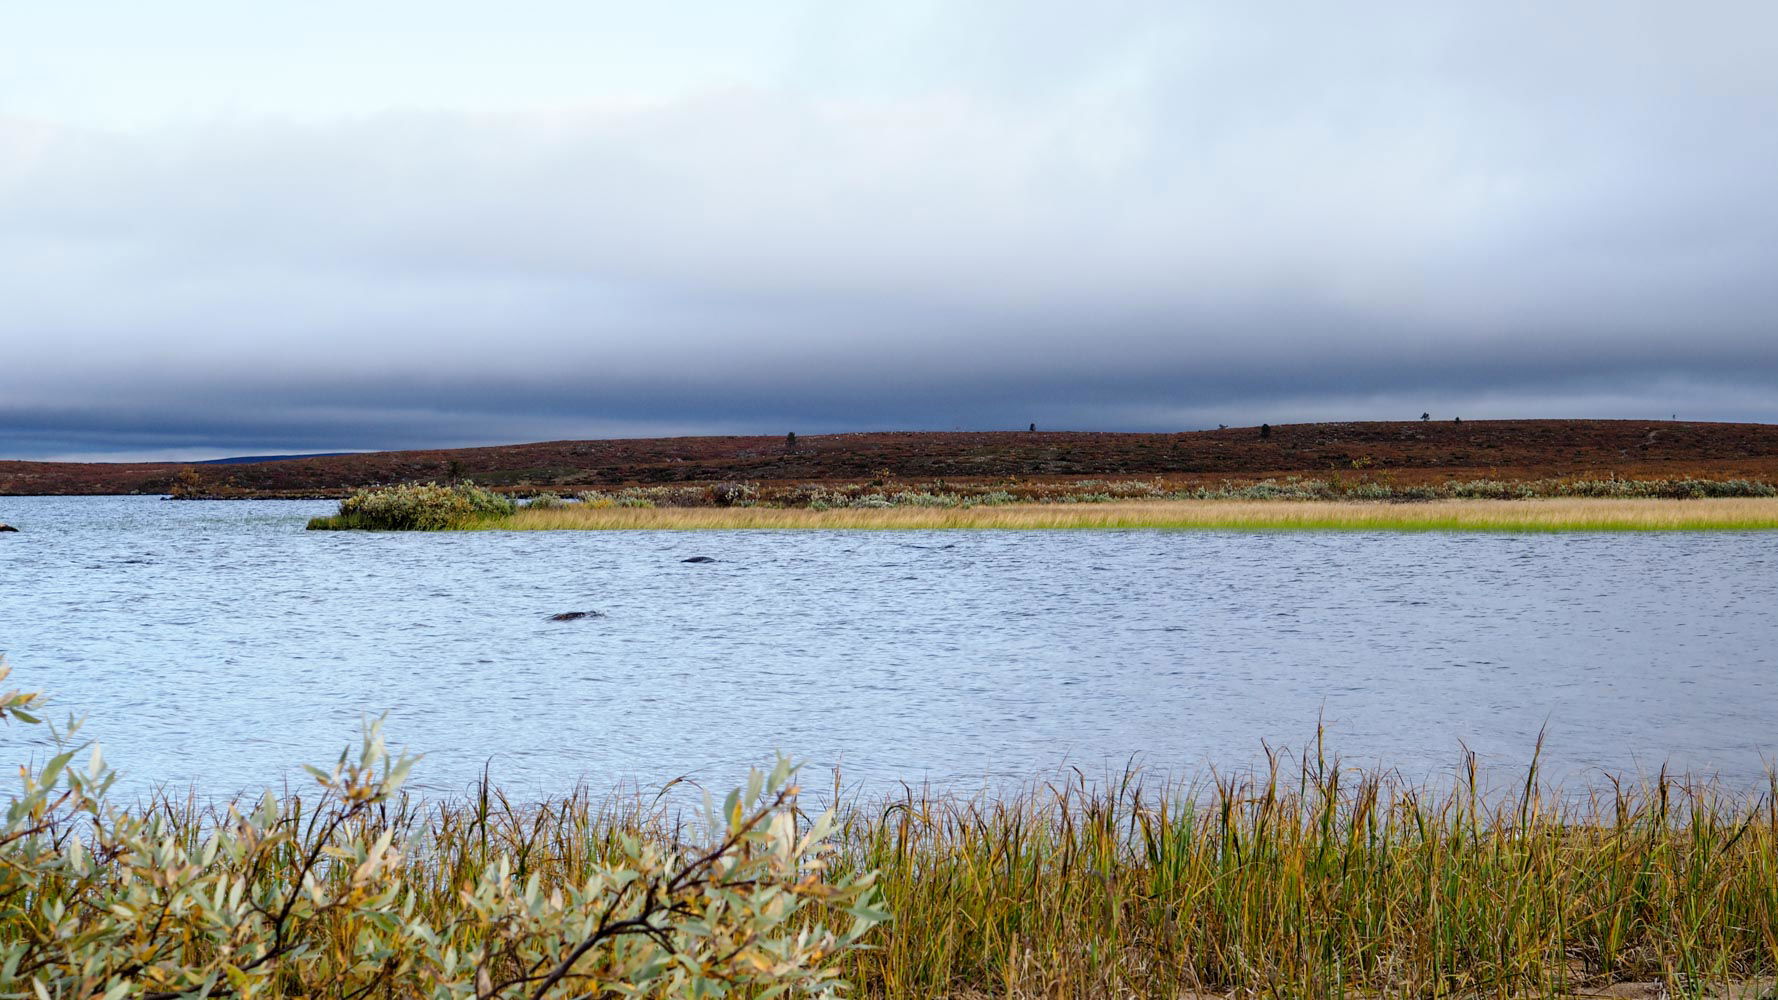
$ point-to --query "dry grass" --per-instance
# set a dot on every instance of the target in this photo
(1756, 514)
(1321, 881)
(1306, 880)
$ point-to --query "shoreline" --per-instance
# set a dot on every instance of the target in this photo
(1275, 880)
(1394, 454)
(1531, 516)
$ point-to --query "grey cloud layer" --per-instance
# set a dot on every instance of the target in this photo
(1183, 219)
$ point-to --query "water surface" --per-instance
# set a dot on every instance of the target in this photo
(217, 642)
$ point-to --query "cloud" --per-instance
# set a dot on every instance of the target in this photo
(1170, 215)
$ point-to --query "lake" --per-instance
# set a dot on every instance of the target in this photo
(218, 643)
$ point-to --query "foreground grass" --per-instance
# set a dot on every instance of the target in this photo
(1571, 514)
(1318, 883)
(1302, 879)
(1313, 881)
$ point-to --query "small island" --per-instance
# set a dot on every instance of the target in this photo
(1632, 505)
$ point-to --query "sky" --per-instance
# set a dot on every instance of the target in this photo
(235, 228)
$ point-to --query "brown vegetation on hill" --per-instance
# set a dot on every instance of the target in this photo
(1401, 452)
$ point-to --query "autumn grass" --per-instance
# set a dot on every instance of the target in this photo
(1315, 881)
(1305, 879)
(1565, 514)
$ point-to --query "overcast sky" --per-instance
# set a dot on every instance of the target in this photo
(234, 228)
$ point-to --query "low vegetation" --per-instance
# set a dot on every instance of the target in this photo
(1314, 880)
(1304, 878)
(1406, 452)
(419, 507)
(1224, 515)
(882, 493)
(1476, 505)
(356, 891)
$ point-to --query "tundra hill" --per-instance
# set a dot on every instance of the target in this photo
(1404, 452)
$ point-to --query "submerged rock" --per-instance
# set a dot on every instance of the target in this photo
(574, 616)
(698, 559)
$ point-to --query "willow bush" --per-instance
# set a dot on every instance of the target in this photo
(334, 896)
(416, 507)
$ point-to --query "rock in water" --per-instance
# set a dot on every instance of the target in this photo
(574, 616)
(7, 527)
(698, 559)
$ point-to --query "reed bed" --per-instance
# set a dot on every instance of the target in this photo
(1566, 514)
(1322, 883)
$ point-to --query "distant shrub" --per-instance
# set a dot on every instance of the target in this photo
(733, 494)
(1728, 488)
(417, 507)
(1490, 489)
(547, 501)
(1136, 488)
(1370, 491)
(597, 500)
(187, 484)
(1674, 489)
(1268, 489)
(911, 498)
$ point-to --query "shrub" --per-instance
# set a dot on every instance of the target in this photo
(1676, 489)
(546, 501)
(911, 498)
(1268, 489)
(330, 896)
(416, 507)
(1490, 489)
(1370, 491)
(733, 494)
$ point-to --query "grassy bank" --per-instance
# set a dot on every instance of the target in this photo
(1308, 880)
(1231, 515)
(1305, 878)
(1314, 881)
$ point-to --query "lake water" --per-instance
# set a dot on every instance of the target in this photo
(217, 642)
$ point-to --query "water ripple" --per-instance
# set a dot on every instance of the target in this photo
(219, 642)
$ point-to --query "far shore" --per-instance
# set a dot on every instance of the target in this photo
(1562, 514)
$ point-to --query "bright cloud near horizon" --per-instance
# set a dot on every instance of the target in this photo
(239, 229)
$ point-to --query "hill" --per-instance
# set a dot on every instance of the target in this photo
(1404, 452)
